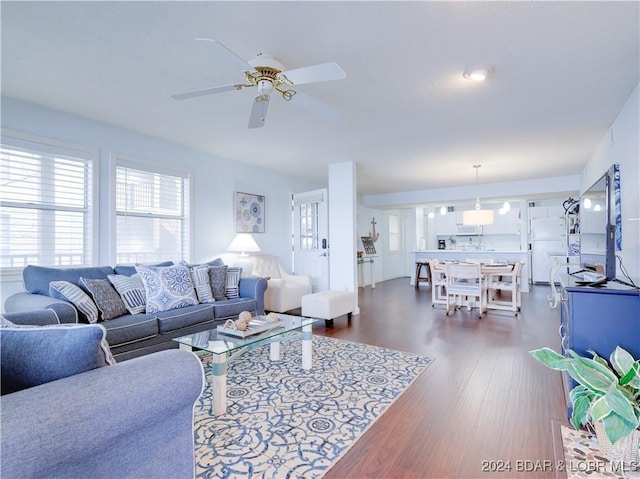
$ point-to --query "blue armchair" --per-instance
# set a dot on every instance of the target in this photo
(128, 420)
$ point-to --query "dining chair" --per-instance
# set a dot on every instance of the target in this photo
(506, 282)
(464, 282)
(438, 282)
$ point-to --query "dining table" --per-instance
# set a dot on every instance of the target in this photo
(490, 272)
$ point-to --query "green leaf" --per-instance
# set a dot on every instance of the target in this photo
(550, 358)
(588, 376)
(616, 427)
(591, 363)
(578, 392)
(631, 375)
(599, 409)
(598, 358)
(621, 361)
(580, 412)
(619, 403)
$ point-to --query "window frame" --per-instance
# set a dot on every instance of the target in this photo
(393, 236)
(119, 160)
(91, 155)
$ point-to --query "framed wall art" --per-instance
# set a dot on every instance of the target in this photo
(249, 213)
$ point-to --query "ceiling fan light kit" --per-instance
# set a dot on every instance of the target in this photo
(268, 75)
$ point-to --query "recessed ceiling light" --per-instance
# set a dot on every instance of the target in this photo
(480, 73)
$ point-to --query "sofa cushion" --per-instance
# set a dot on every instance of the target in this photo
(233, 307)
(72, 293)
(218, 280)
(131, 290)
(37, 278)
(130, 328)
(30, 356)
(231, 285)
(167, 287)
(131, 270)
(106, 298)
(184, 317)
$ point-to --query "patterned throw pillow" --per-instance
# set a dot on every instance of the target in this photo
(232, 289)
(72, 293)
(167, 287)
(201, 283)
(106, 298)
(131, 290)
(218, 280)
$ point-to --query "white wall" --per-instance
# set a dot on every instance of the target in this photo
(622, 145)
(215, 179)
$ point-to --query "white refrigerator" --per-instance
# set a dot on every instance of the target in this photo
(548, 238)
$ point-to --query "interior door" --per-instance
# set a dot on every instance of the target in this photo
(311, 237)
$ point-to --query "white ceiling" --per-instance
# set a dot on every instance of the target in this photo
(409, 119)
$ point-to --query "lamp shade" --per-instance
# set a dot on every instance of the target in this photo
(243, 243)
(477, 217)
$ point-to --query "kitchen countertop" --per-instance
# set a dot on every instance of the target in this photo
(469, 251)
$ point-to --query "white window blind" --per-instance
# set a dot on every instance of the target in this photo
(46, 194)
(152, 214)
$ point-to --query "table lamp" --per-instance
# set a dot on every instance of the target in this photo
(244, 243)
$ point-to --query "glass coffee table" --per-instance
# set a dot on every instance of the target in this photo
(225, 347)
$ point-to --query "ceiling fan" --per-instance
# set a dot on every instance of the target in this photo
(269, 75)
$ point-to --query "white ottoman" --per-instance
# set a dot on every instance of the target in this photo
(328, 305)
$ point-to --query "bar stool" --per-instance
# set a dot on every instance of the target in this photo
(423, 264)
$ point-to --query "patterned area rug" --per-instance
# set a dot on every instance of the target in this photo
(283, 422)
(584, 459)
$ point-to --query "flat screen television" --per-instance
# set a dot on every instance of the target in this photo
(598, 226)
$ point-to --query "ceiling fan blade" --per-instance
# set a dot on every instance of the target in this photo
(315, 73)
(228, 54)
(315, 107)
(205, 91)
(259, 111)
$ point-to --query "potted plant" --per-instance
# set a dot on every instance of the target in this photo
(607, 397)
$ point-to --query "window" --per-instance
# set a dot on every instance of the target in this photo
(46, 194)
(152, 214)
(394, 234)
(309, 226)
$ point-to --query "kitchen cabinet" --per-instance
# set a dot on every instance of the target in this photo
(506, 224)
(545, 212)
(446, 225)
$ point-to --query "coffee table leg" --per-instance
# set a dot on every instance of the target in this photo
(274, 351)
(307, 342)
(219, 397)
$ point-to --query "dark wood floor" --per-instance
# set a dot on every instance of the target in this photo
(483, 402)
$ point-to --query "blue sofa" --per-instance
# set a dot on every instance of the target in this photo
(128, 420)
(133, 335)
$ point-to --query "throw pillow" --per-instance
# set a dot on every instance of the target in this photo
(167, 288)
(34, 355)
(201, 283)
(232, 289)
(131, 290)
(72, 293)
(218, 280)
(106, 298)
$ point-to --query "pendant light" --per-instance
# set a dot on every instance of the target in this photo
(477, 216)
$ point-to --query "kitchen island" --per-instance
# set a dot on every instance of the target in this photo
(460, 255)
